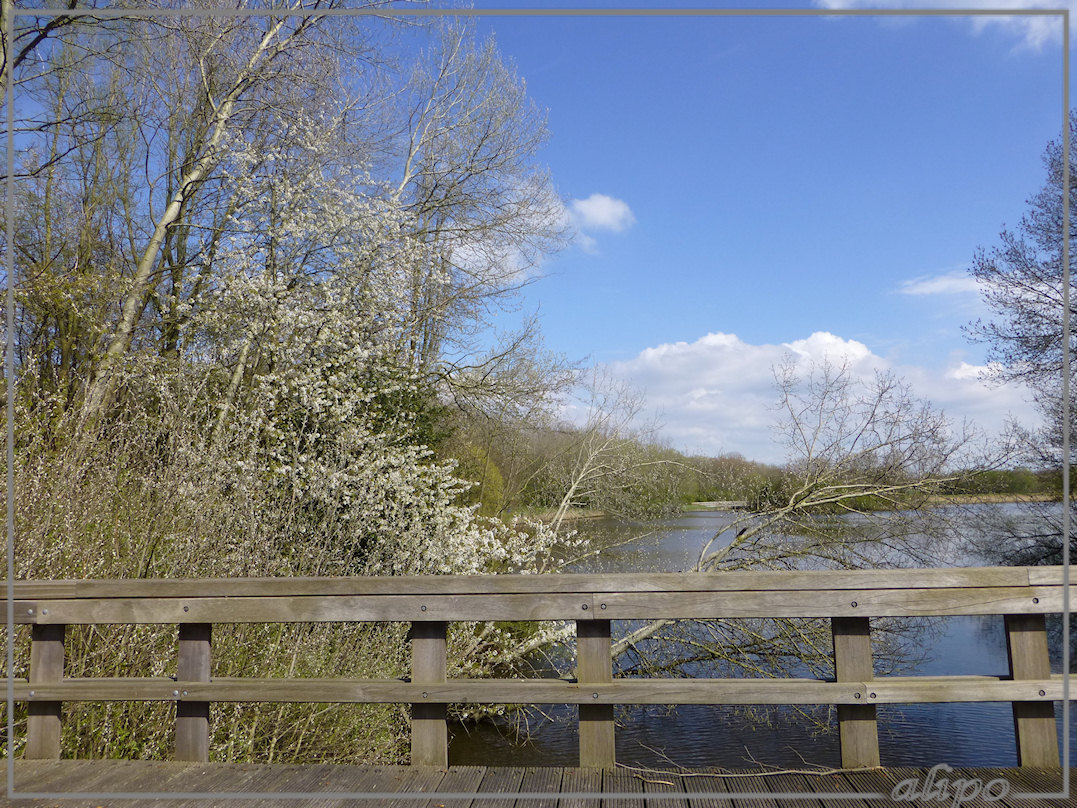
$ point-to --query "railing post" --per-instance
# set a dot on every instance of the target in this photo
(192, 717)
(858, 729)
(429, 731)
(593, 666)
(1033, 721)
(46, 665)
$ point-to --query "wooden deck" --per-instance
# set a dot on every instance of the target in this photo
(272, 785)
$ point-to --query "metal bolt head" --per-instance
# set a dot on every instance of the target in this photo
(594, 695)
(184, 692)
(44, 611)
(1043, 692)
(871, 695)
(29, 611)
(426, 695)
(1035, 600)
(856, 695)
(585, 607)
(175, 693)
(422, 608)
(31, 694)
(186, 608)
(603, 606)
(853, 604)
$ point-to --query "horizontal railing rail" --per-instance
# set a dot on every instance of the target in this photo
(850, 599)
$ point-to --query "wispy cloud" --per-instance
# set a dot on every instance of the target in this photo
(717, 395)
(1032, 32)
(948, 283)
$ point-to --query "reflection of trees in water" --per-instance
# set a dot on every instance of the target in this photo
(774, 648)
(770, 648)
(1024, 534)
(763, 648)
(1019, 534)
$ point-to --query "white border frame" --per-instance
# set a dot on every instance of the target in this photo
(9, 368)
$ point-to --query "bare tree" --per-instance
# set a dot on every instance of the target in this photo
(188, 94)
(233, 62)
(485, 210)
(865, 460)
(602, 456)
(1021, 281)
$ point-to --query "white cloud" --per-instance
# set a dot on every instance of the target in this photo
(601, 212)
(823, 346)
(1034, 32)
(949, 283)
(717, 394)
(964, 371)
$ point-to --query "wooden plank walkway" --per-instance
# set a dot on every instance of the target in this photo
(648, 789)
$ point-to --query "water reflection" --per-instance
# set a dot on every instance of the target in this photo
(971, 734)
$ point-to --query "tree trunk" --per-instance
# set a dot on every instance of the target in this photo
(102, 389)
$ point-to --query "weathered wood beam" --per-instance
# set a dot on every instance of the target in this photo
(429, 730)
(888, 690)
(192, 717)
(43, 724)
(747, 580)
(543, 606)
(857, 724)
(1033, 721)
(593, 667)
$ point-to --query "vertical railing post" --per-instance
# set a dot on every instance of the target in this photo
(46, 665)
(429, 731)
(858, 730)
(1033, 721)
(594, 666)
(192, 717)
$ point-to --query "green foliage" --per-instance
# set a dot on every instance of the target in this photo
(1016, 481)
(488, 486)
(728, 478)
(406, 406)
(770, 490)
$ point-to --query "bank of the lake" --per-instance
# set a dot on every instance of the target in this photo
(969, 734)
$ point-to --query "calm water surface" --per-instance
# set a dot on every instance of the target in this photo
(692, 735)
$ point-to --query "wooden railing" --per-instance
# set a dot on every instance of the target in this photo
(850, 599)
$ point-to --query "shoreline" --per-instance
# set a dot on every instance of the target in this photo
(576, 514)
(993, 499)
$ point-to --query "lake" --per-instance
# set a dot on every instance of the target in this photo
(968, 734)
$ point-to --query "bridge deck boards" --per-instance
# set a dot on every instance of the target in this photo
(651, 789)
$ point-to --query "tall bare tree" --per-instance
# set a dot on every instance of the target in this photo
(233, 62)
(485, 210)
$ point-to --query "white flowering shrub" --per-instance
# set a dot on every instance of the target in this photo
(290, 440)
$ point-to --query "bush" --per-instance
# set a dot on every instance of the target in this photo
(153, 494)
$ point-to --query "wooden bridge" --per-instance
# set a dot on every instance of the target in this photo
(850, 599)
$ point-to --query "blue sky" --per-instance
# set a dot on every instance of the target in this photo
(742, 184)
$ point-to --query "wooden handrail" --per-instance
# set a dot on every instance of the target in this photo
(887, 690)
(411, 585)
(850, 598)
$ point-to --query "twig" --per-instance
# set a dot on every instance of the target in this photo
(719, 772)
